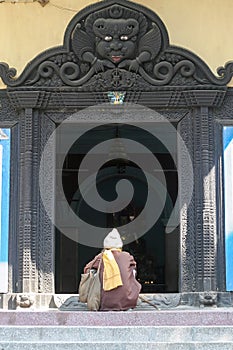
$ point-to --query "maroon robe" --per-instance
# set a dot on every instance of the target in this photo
(123, 297)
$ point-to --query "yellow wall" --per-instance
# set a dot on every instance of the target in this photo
(203, 26)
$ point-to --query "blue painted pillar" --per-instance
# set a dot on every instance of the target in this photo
(228, 196)
(4, 206)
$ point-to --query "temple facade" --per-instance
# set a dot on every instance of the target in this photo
(116, 128)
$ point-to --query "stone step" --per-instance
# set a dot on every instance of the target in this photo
(160, 330)
(116, 346)
(204, 317)
(166, 334)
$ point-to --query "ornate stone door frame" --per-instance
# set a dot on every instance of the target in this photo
(116, 45)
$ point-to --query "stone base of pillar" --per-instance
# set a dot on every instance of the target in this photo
(70, 302)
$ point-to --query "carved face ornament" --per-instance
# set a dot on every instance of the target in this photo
(115, 38)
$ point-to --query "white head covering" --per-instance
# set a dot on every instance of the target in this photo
(113, 240)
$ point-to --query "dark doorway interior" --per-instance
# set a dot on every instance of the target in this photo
(156, 252)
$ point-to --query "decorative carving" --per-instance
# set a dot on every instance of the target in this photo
(204, 97)
(28, 213)
(116, 97)
(26, 99)
(46, 244)
(116, 45)
(160, 301)
(69, 303)
(25, 209)
(208, 299)
(75, 100)
(24, 300)
(205, 200)
(6, 73)
(225, 113)
(116, 36)
(113, 79)
(187, 214)
(8, 116)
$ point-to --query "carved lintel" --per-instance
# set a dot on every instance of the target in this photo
(209, 98)
(28, 99)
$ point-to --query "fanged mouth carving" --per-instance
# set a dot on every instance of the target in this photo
(117, 59)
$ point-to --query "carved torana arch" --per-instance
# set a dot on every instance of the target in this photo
(115, 45)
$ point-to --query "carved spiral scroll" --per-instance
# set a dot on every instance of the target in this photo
(8, 74)
(165, 71)
(69, 73)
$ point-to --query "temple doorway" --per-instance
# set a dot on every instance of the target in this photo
(156, 253)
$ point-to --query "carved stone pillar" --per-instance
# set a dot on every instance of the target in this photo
(27, 214)
(187, 279)
(46, 235)
(35, 247)
(205, 200)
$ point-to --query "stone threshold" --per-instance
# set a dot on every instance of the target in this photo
(146, 302)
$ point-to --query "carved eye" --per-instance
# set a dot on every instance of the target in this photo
(108, 38)
(100, 26)
(124, 37)
(130, 26)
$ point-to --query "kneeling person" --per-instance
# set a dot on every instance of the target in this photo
(119, 287)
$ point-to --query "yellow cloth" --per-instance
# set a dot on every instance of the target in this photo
(112, 275)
